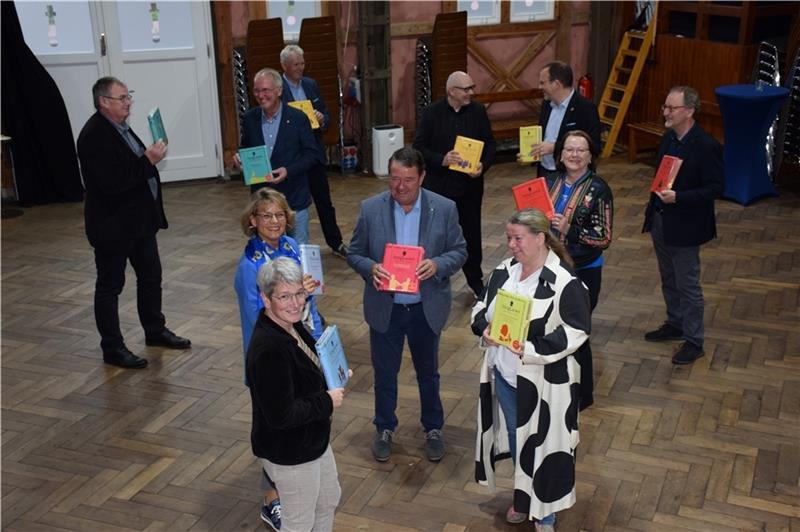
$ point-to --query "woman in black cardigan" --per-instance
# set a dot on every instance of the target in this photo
(292, 407)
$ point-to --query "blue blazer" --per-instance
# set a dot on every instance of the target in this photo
(313, 93)
(295, 149)
(440, 236)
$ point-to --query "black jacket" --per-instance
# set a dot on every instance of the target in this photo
(581, 114)
(119, 202)
(690, 220)
(291, 406)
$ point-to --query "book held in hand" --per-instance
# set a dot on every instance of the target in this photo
(470, 151)
(256, 167)
(401, 262)
(666, 173)
(331, 358)
(308, 109)
(157, 126)
(534, 194)
(311, 262)
(529, 136)
(510, 319)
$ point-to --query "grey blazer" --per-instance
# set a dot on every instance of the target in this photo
(440, 236)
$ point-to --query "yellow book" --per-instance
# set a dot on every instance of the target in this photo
(470, 151)
(510, 319)
(308, 109)
(529, 136)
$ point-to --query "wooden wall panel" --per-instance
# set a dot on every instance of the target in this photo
(320, 50)
(703, 65)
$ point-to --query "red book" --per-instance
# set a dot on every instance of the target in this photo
(666, 173)
(534, 194)
(401, 262)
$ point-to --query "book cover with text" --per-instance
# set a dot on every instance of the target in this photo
(534, 194)
(332, 360)
(510, 319)
(401, 262)
(256, 167)
(470, 151)
(308, 109)
(666, 173)
(529, 136)
(311, 262)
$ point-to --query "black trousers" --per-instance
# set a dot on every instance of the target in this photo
(469, 218)
(321, 194)
(111, 258)
(592, 278)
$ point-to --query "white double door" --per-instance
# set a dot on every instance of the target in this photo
(163, 51)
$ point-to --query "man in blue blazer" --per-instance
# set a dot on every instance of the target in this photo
(123, 213)
(297, 88)
(410, 215)
(563, 110)
(291, 147)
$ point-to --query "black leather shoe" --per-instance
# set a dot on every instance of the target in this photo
(123, 358)
(168, 339)
(665, 332)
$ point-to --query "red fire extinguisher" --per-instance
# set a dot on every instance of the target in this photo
(585, 87)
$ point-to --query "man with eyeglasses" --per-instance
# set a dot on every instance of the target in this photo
(563, 110)
(681, 218)
(123, 212)
(435, 137)
(297, 88)
(292, 149)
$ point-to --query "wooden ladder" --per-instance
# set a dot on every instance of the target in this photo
(624, 76)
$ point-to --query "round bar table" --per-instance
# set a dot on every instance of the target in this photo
(748, 113)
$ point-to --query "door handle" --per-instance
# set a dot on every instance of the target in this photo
(103, 44)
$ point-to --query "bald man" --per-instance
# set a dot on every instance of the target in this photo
(435, 137)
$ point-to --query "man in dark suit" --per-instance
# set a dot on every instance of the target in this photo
(441, 122)
(563, 110)
(410, 215)
(123, 212)
(681, 218)
(293, 152)
(297, 88)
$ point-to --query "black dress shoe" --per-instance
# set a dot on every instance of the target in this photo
(123, 358)
(168, 339)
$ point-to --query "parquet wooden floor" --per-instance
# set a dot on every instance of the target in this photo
(711, 447)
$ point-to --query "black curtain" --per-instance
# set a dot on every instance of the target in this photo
(35, 117)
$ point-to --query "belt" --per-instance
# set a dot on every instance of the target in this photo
(408, 306)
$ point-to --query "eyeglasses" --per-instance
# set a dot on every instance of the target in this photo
(671, 108)
(471, 88)
(267, 216)
(285, 298)
(263, 90)
(579, 151)
(124, 97)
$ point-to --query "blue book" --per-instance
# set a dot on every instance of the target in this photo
(256, 167)
(157, 126)
(332, 359)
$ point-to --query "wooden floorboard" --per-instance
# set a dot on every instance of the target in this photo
(710, 447)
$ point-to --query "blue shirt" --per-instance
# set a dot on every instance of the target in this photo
(298, 94)
(553, 126)
(406, 229)
(270, 127)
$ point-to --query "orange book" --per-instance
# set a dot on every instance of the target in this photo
(401, 262)
(666, 173)
(534, 194)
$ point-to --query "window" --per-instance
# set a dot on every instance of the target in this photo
(530, 10)
(485, 12)
(292, 12)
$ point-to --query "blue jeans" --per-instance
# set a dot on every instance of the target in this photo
(507, 397)
(407, 321)
(300, 230)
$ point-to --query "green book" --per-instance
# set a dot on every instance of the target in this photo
(510, 319)
(157, 126)
(256, 167)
